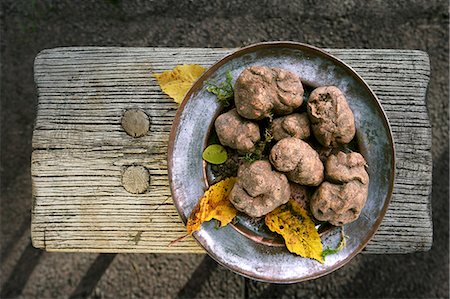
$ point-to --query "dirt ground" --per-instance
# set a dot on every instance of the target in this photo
(28, 26)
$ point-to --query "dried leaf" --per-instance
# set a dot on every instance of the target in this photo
(293, 223)
(213, 204)
(176, 82)
(215, 154)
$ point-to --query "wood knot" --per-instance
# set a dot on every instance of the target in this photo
(136, 179)
(135, 122)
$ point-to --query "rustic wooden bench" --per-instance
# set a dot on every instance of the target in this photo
(82, 154)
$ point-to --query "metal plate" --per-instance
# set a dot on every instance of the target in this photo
(187, 171)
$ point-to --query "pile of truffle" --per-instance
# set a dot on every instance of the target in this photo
(338, 179)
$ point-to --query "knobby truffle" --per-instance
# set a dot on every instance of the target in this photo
(342, 202)
(338, 204)
(332, 120)
(299, 193)
(260, 90)
(343, 168)
(237, 132)
(298, 160)
(258, 189)
(293, 125)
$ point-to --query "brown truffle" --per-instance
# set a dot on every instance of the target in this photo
(260, 90)
(343, 168)
(293, 125)
(299, 160)
(339, 204)
(332, 120)
(286, 154)
(237, 132)
(299, 193)
(258, 189)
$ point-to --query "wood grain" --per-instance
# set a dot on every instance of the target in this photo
(80, 149)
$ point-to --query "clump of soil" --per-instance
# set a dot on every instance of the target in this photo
(227, 169)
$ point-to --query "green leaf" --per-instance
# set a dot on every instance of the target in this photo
(215, 154)
(250, 157)
(223, 91)
(260, 147)
(328, 250)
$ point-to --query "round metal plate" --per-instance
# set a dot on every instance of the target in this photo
(187, 174)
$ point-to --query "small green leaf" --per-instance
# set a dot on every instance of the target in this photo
(215, 154)
(250, 157)
(260, 147)
(327, 251)
(223, 91)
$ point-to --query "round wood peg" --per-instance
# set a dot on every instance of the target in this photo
(135, 122)
(136, 179)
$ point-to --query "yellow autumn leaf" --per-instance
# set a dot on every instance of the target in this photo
(213, 204)
(176, 82)
(293, 223)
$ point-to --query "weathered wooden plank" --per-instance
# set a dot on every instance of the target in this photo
(80, 149)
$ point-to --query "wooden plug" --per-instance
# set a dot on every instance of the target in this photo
(135, 122)
(136, 179)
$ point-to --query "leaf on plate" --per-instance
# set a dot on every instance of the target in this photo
(176, 82)
(342, 243)
(214, 204)
(293, 223)
(260, 148)
(223, 91)
(215, 154)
